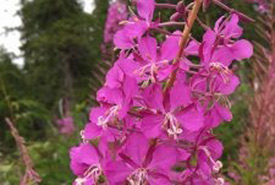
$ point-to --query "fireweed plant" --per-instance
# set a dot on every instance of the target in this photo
(158, 108)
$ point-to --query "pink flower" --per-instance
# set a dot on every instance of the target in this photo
(85, 163)
(66, 125)
(208, 150)
(154, 66)
(216, 88)
(171, 116)
(137, 25)
(152, 63)
(219, 45)
(140, 163)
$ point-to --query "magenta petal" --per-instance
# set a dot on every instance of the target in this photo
(183, 155)
(89, 181)
(96, 112)
(117, 172)
(217, 115)
(159, 179)
(230, 87)
(82, 157)
(184, 64)
(192, 48)
(169, 48)
(128, 66)
(242, 49)
(199, 83)
(148, 48)
(136, 147)
(224, 112)
(130, 88)
(92, 131)
(164, 72)
(113, 96)
(191, 119)
(136, 28)
(204, 167)
(153, 97)
(164, 158)
(122, 41)
(215, 147)
(151, 125)
(146, 9)
(180, 95)
(114, 77)
(209, 39)
(232, 29)
(223, 55)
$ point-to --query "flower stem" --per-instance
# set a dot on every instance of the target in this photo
(171, 23)
(231, 10)
(165, 5)
(184, 39)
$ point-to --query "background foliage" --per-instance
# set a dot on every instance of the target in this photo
(61, 46)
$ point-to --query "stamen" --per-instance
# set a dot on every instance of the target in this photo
(93, 172)
(80, 181)
(110, 114)
(84, 140)
(222, 70)
(217, 165)
(150, 70)
(138, 177)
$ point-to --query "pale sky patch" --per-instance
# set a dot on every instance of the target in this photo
(9, 19)
(88, 5)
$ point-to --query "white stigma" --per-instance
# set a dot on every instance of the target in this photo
(80, 181)
(93, 172)
(172, 125)
(220, 181)
(102, 121)
(217, 166)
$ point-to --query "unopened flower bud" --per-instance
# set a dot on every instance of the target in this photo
(180, 7)
(175, 17)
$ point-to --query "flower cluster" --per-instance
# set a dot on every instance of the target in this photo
(159, 104)
(117, 12)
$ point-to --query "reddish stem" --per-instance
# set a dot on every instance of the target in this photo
(166, 5)
(183, 42)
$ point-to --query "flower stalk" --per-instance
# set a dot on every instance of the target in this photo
(30, 175)
(184, 39)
